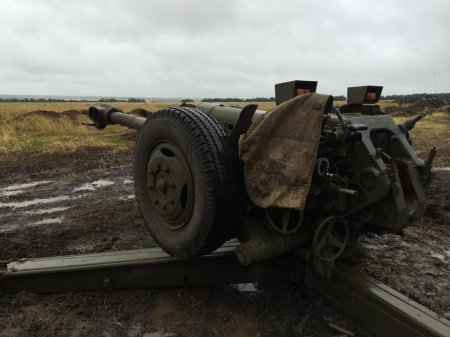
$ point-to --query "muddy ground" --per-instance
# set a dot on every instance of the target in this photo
(83, 201)
(417, 262)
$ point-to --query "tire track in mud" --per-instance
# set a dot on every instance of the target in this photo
(77, 214)
(31, 211)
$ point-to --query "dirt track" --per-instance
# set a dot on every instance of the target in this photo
(83, 202)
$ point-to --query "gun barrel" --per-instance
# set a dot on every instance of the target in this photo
(227, 116)
(410, 123)
(104, 115)
(223, 112)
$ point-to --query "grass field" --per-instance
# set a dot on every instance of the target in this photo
(49, 132)
(33, 127)
(10, 110)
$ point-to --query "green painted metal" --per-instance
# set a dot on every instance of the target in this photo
(331, 239)
(141, 268)
(102, 115)
(378, 308)
(260, 243)
(287, 90)
(367, 94)
(227, 116)
(170, 185)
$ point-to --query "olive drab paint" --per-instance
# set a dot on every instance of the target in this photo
(365, 175)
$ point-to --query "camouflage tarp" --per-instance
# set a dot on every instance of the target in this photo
(279, 151)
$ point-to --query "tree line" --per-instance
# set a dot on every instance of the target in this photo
(414, 97)
(50, 100)
(410, 97)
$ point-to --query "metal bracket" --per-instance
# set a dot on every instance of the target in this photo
(242, 124)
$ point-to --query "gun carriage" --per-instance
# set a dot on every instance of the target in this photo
(305, 175)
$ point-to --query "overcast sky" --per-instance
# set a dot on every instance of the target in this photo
(215, 48)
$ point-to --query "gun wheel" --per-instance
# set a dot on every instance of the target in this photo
(185, 181)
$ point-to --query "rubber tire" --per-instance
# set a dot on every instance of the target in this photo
(214, 169)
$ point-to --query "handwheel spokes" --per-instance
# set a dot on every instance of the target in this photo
(330, 239)
(334, 240)
(322, 243)
(285, 219)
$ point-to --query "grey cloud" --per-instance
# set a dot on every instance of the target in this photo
(220, 48)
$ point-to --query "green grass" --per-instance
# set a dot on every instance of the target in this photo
(111, 139)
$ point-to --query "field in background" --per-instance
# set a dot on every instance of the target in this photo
(32, 127)
(10, 110)
(57, 126)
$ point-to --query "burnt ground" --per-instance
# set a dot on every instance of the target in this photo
(83, 201)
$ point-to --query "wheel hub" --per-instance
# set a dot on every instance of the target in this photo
(169, 185)
(162, 185)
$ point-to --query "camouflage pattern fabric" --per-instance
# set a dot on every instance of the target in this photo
(280, 149)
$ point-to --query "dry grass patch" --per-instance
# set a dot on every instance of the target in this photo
(433, 130)
(41, 134)
(48, 127)
(10, 110)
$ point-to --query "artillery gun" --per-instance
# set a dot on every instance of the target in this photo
(200, 179)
